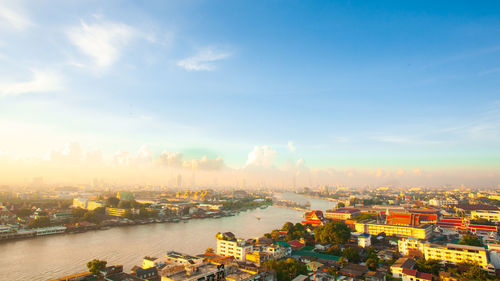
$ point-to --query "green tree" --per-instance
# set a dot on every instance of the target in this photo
(340, 205)
(470, 240)
(352, 255)
(125, 205)
(363, 217)
(482, 221)
(334, 250)
(78, 212)
(100, 210)
(474, 272)
(371, 253)
(210, 250)
(275, 235)
(335, 232)
(429, 266)
(288, 226)
(343, 261)
(112, 201)
(95, 266)
(40, 222)
(372, 263)
(22, 213)
(285, 270)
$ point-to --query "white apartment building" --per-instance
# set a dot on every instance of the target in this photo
(453, 253)
(84, 203)
(442, 202)
(364, 240)
(493, 216)
(227, 245)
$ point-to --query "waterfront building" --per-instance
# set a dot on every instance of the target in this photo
(80, 203)
(342, 213)
(196, 273)
(116, 212)
(150, 262)
(84, 203)
(228, 245)
(177, 258)
(145, 273)
(315, 218)
(452, 253)
(374, 228)
(6, 215)
(493, 216)
(49, 230)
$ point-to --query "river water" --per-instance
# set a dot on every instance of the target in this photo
(49, 257)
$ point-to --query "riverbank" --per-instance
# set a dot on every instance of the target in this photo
(60, 255)
(8, 234)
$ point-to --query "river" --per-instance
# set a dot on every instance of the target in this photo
(50, 257)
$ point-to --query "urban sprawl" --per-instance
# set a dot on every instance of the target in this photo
(372, 234)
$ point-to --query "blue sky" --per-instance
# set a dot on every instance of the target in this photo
(411, 84)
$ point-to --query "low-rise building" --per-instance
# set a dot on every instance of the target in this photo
(464, 224)
(195, 273)
(410, 218)
(375, 276)
(342, 213)
(493, 216)
(364, 240)
(116, 212)
(400, 264)
(228, 245)
(374, 228)
(415, 275)
(87, 204)
(443, 202)
(452, 253)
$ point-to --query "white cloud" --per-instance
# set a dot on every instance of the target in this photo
(121, 158)
(143, 156)
(203, 60)
(13, 17)
(42, 81)
(291, 147)
(170, 159)
(102, 41)
(93, 157)
(72, 153)
(204, 164)
(262, 156)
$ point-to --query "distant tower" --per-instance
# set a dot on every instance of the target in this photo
(178, 181)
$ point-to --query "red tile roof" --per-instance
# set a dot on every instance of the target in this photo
(417, 274)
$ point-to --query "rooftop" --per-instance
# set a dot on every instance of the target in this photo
(344, 210)
(417, 274)
(184, 274)
(405, 263)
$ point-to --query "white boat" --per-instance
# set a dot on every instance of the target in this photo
(50, 230)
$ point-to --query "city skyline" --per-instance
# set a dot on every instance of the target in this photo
(337, 93)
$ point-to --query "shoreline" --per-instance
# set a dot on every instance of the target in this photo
(71, 231)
